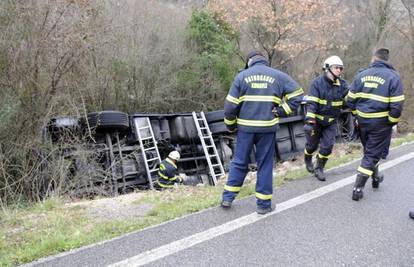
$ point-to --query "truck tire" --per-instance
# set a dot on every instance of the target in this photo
(215, 116)
(218, 127)
(108, 120)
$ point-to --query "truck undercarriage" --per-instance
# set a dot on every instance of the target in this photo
(106, 151)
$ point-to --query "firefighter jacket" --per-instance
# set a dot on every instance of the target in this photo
(168, 173)
(325, 99)
(376, 95)
(257, 91)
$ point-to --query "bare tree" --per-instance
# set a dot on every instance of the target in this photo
(409, 33)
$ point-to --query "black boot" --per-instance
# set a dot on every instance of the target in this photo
(320, 165)
(357, 193)
(377, 178)
(309, 164)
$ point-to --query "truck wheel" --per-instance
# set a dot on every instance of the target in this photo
(215, 116)
(108, 120)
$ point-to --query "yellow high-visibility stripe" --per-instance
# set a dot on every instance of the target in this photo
(162, 167)
(307, 153)
(365, 171)
(323, 156)
(337, 103)
(254, 98)
(165, 185)
(229, 122)
(392, 119)
(317, 100)
(397, 98)
(174, 178)
(354, 112)
(232, 188)
(294, 93)
(313, 115)
(259, 123)
(233, 99)
(287, 109)
(324, 101)
(350, 95)
(263, 196)
(372, 115)
(163, 176)
(260, 98)
(377, 97)
(373, 97)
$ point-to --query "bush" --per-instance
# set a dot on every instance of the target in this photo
(208, 74)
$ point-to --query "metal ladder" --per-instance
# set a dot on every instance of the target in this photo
(210, 150)
(148, 146)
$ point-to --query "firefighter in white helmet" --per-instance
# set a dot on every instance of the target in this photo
(168, 172)
(324, 102)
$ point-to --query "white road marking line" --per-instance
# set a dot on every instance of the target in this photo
(187, 242)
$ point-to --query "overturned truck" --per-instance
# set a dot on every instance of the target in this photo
(122, 151)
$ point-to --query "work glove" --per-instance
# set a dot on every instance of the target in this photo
(279, 112)
(182, 177)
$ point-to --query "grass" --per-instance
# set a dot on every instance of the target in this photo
(33, 231)
(48, 228)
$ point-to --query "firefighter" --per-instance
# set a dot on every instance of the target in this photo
(253, 107)
(376, 97)
(324, 103)
(168, 172)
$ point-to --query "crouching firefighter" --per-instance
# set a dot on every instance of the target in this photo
(253, 107)
(168, 172)
(376, 98)
(324, 103)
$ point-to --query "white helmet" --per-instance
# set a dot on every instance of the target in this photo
(331, 61)
(174, 155)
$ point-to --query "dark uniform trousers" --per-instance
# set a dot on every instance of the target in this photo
(323, 135)
(375, 139)
(265, 151)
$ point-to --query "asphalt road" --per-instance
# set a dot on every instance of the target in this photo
(314, 224)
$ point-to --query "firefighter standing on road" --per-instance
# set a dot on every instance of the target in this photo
(376, 97)
(253, 107)
(324, 103)
(168, 172)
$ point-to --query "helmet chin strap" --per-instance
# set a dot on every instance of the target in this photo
(334, 76)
